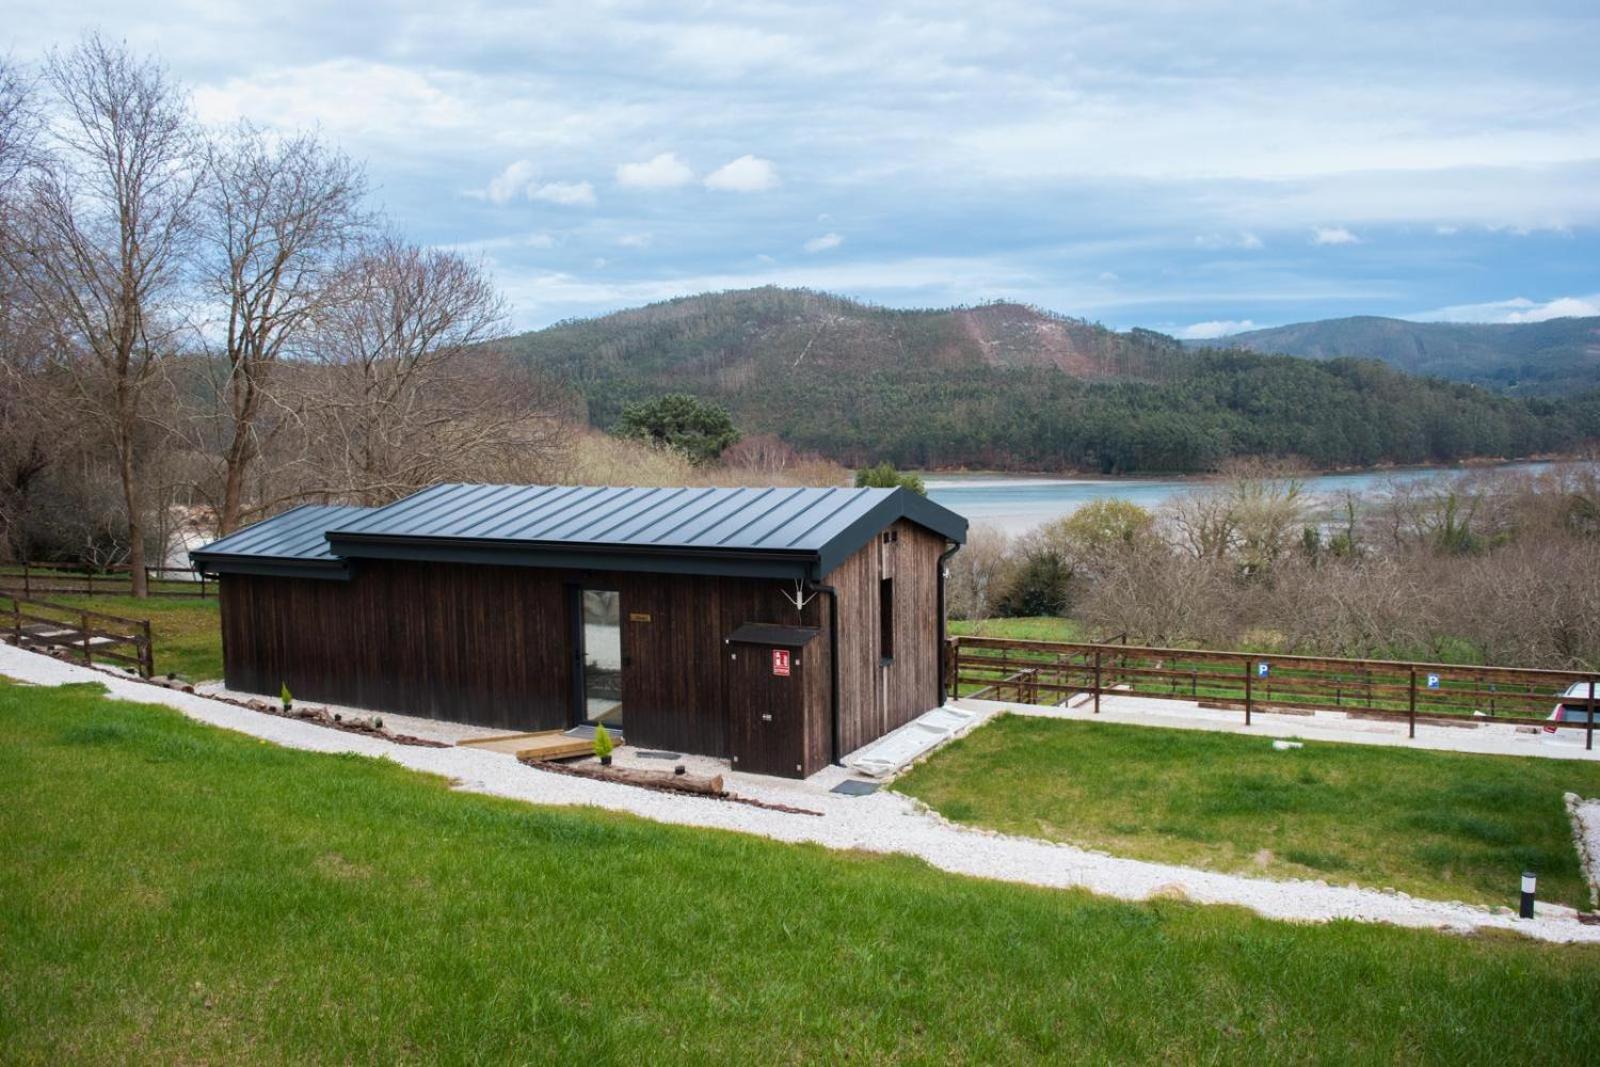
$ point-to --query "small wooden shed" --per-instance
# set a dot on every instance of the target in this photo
(778, 628)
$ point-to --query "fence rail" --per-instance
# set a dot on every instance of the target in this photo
(71, 579)
(93, 635)
(1052, 672)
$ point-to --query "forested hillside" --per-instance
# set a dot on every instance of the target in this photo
(1529, 359)
(1010, 387)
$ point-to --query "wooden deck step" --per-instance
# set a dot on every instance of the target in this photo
(544, 744)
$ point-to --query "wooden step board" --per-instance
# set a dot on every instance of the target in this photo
(543, 745)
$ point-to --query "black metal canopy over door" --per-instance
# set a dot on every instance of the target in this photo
(766, 705)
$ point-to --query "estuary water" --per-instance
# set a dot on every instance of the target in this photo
(1017, 503)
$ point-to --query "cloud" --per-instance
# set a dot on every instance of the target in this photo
(827, 242)
(1244, 239)
(572, 194)
(1333, 235)
(665, 171)
(634, 240)
(514, 181)
(747, 174)
(1517, 309)
(1209, 331)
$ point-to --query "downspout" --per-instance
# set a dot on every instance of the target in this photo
(833, 666)
(944, 691)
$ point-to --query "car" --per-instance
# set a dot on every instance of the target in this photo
(1573, 711)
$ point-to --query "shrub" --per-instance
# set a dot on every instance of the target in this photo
(603, 745)
(285, 696)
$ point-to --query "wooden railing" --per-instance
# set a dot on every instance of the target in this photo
(89, 635)
(71, 579)
(1048, 672)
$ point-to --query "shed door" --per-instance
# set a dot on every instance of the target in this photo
(766, 709)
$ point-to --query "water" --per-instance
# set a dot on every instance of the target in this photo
(1017, 503)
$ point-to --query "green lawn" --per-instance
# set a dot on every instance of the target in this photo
(1035, 628)
(187, 631)
(1434, 824)
(172, 892)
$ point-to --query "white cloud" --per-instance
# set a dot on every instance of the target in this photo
(1517, 309)
(1244, 239)
(1333, 235)
(747, 174)
(1446, 231)
(572, 194)
(514, 181)
(634, 240)
(665, 171)
(1208, 331)
(825, 243)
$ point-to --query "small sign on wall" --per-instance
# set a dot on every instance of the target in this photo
(780, 662)
(638, 616)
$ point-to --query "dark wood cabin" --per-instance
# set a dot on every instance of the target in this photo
(777, 628)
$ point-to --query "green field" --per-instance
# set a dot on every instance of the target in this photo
(1434, 824)
(176, 893)
(187, 632)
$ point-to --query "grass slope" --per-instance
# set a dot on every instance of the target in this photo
(187, 631)
(1435, 824)
(172, 892)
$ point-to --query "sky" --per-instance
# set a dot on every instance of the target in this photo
(1188, 167)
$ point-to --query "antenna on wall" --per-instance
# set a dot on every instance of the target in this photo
(799, 598)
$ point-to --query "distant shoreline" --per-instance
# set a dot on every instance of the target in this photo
(968, 475)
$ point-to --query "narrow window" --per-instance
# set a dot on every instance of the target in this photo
(886, 619)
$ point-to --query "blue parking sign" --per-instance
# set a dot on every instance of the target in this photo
(1433, 681)
(1263, 669)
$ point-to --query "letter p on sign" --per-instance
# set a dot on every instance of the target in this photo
(780, 662)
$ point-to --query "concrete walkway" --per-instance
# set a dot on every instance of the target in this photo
(882, 822)
(1476, 736)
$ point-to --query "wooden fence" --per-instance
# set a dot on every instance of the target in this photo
(71, 579)
(1048, 672)
(91, 635)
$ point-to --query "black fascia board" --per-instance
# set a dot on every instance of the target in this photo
(901, 504)
(334, 570)
(738, 563)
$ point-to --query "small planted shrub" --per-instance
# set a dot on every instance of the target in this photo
(603, 746)
(377, 722)
(285, 696)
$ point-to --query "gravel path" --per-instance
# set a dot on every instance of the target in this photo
(882, 822)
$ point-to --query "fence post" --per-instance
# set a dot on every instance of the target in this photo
(1411, 705)
(83, 637)
(1097, 681)
(1588, 729)
(1249, 696)
(27, 584)
(147, 654)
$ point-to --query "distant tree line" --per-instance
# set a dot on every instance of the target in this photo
(1487, 567)
(863, 385)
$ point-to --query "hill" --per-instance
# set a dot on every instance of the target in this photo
(1534, 358)
(1010, 387)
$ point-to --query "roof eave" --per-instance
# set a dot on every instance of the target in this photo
(663, 559)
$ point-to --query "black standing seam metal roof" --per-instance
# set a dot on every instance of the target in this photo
(293, 540)
(785, 532)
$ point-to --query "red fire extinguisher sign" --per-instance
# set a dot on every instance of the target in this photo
(780, 662)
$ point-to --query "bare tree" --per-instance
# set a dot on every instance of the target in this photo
(278, 216)
(408, 397)
(107, 225)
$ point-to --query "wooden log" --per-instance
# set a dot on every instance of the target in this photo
(662, 780)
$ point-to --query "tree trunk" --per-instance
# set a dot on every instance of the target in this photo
(130, 500)
(237, 463)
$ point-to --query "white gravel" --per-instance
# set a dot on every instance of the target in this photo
(882, 822)
(1586, 835)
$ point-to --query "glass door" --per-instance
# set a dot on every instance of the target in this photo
(600, 654)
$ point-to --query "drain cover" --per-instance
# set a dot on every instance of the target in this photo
(852, 788)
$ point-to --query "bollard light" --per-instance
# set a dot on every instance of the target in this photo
(1530, 882)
